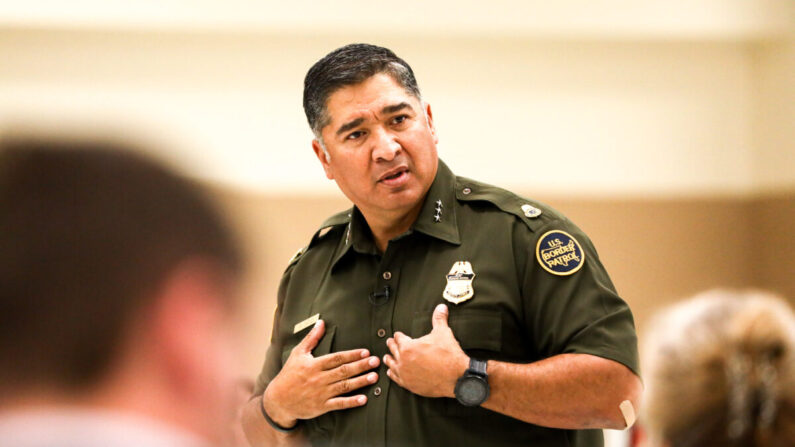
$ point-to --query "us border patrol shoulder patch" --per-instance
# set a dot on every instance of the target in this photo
(559, 253)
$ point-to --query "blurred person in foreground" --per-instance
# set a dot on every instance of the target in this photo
(720, 371)
(439, 310)
(117, 291)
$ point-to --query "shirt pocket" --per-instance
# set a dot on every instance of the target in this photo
(475, 329)
(319, 427)
(324, 346)
(479, 332)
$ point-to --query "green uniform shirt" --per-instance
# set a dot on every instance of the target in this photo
(539, 290)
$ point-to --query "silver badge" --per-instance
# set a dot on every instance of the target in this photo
(531, 211)
(459, 283)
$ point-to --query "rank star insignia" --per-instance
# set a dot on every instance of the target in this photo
(459, 283)
(438, 216)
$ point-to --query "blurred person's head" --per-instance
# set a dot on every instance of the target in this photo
(720, 370)
(374, 135)
(117, 285)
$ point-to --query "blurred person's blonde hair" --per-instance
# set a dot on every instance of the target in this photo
(720, 370)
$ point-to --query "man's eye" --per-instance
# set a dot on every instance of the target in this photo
(354, 135)
(399, 119)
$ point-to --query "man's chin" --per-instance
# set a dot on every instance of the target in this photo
(404, 199)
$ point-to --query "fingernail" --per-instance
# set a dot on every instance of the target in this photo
(361, 400)
(372, 377)
(317, 323)
(441, 307)
(374, 361)
(365, 353)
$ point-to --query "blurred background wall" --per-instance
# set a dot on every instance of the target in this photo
(663, 128)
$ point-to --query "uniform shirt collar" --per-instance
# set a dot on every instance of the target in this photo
(360, 237)
(437, 218)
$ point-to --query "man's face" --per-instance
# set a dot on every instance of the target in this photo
(382, 146)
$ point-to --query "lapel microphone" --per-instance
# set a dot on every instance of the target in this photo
(380, 298)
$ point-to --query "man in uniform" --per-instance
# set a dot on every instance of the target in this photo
(438, 310)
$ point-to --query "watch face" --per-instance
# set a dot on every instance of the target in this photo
(472, 391)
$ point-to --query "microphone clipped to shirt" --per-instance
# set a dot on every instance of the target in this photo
(380, 298)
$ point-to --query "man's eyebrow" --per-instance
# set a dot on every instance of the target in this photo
(386, 111)
(349, 125)
(395, 107)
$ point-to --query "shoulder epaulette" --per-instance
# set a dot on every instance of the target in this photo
(341, 218)
(533, 213)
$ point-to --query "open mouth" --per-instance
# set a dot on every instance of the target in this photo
(393, 176)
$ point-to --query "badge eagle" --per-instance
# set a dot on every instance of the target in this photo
(459, 283)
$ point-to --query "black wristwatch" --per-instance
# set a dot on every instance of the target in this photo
(472, 389)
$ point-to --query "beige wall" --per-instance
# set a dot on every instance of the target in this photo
(774, 115)
(772, 248)
(619, 117)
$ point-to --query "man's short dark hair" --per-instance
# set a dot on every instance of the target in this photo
(350, 65)
(88, 232)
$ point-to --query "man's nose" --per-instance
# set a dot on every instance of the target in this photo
(386, 146)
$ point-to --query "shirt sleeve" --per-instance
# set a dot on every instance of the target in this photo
(571, 305)
(273, 358)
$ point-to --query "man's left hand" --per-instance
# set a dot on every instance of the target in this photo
(429, 365)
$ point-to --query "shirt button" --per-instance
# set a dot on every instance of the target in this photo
(387, 275)
(377, 391)
(381, 333)
(467, 191)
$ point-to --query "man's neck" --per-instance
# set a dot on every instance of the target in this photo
(386, 227)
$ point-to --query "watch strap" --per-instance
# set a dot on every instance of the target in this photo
(477, 367)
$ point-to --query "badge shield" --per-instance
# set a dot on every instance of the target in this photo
(459, 283)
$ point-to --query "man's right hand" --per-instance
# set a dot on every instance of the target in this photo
(309, 386)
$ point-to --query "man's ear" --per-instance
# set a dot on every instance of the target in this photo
(322, 155)
(429, 119)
